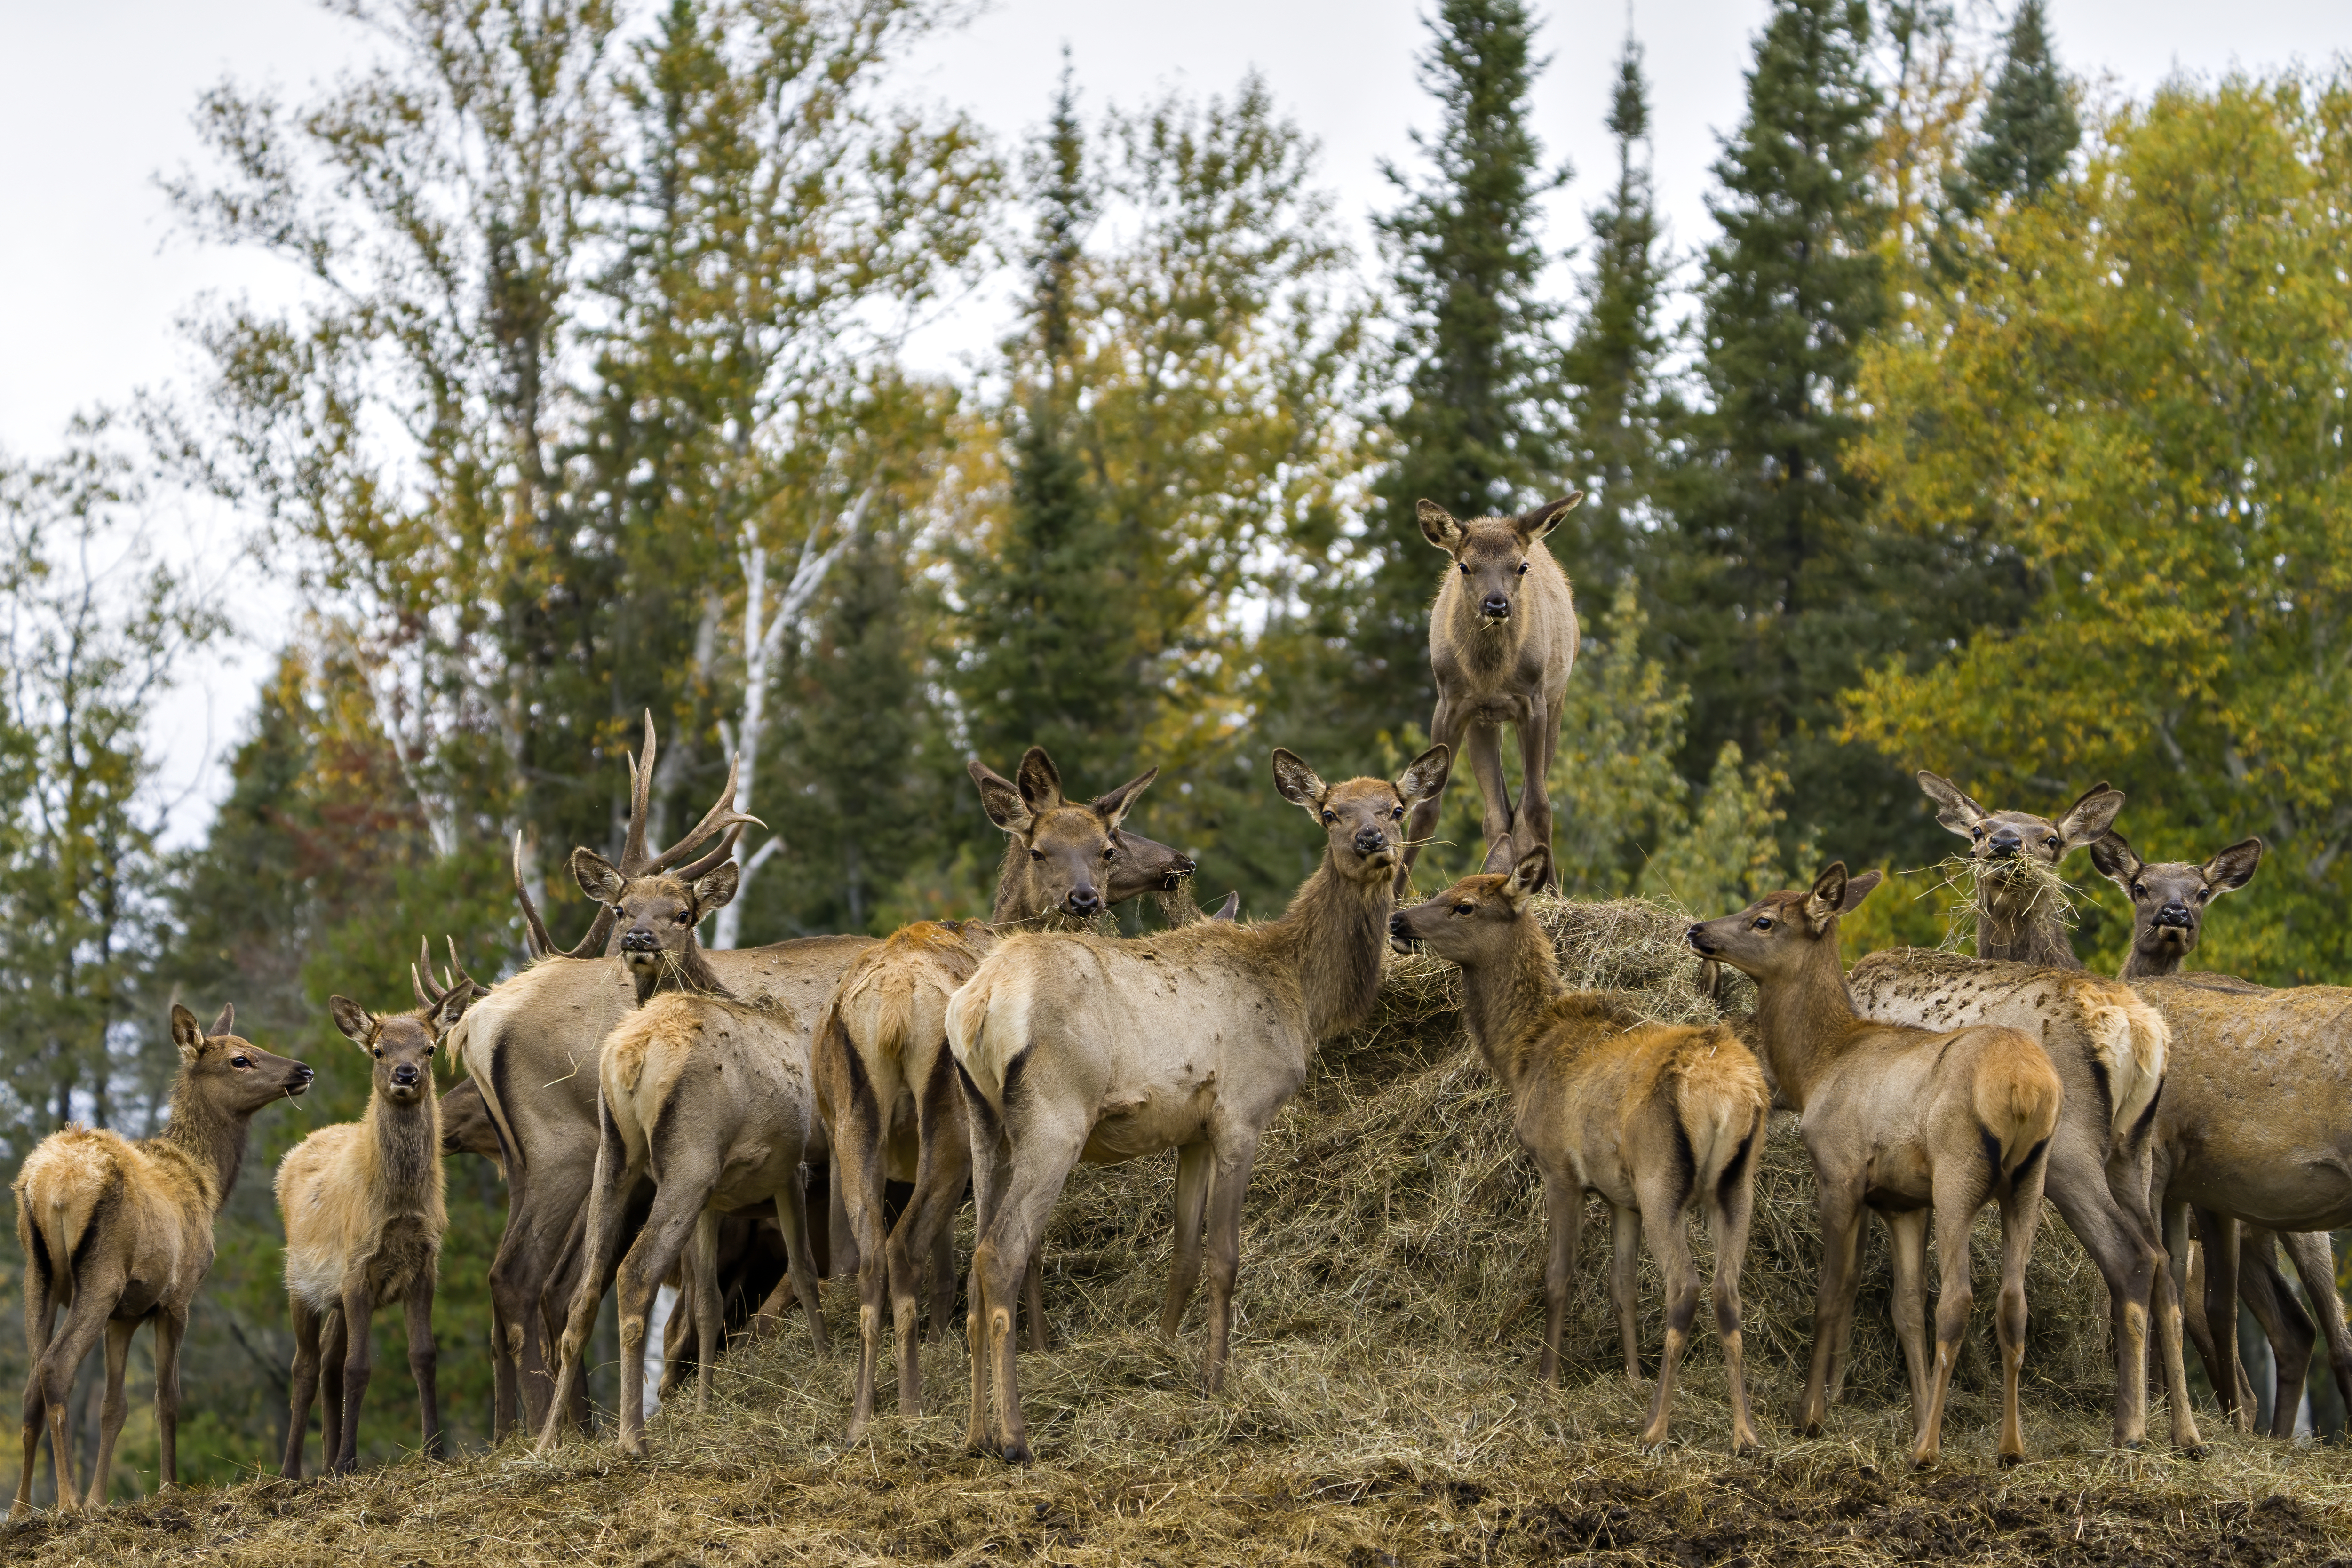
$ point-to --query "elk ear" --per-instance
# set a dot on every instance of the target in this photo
(2113, 857)
(2233, 867)
(1041, 781)
(227, 1022)
(1537, 521)
(1858, 888)
(1297, 782)
(715, 889)
(1955, 810)
(1426, 775)
(1113, 807)
(1230, 909)
(597, 877)
(1437, 526)
(352, 1019)
(1528, 876)
(999, 798)
(2091, 815)
(451, 1008)
(185, 1033)
(1826, 901)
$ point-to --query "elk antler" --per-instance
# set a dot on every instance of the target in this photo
(637, 859)
(535, 935)
(422, 977)
(717, 858)
(721, 817)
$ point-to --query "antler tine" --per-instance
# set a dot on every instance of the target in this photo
(423, 1000)
(600, 930)
(534, 930)
(640, 794)
(458, 969)
(717, 858)
(424, 961)
(722, 815)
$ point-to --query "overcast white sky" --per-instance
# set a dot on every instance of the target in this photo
(95, 100)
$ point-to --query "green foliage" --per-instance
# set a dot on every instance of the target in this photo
(2141, 396)
(2030, 128)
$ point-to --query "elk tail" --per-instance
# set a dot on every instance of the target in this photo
(2015, 1095)
(2130, 1042)
(1720, 1102)
(983, 1042)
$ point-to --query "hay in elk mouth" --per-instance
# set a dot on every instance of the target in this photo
(2029, 890)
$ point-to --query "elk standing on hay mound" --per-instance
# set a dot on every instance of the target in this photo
(2251, 1132)
(121, 1234)
(363, 1211)
(1502, 640)
(1904, 1122)
(2109, 1046)
(885, 1084)
(1071, 1047)
(1657, 1118)
(707, 1098)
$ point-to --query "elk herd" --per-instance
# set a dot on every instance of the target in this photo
(648, 1102)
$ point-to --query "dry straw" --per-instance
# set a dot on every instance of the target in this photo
(1382, 1406)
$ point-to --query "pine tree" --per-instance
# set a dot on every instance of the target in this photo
(1475, 432)
(1612, 364)
(1051, 658)
(2030, 128)
(1784, 597)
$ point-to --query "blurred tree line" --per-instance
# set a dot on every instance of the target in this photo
(1990, 430)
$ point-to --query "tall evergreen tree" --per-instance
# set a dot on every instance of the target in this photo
(1786, 598)
(1477, 430)
(1611, 363)
(1051, 659)
(2030, 128)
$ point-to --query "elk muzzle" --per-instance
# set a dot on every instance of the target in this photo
(1496, 607)
(1084, 902)
(1697, 938)
(404, 1076)
(2174, 917)
(1400, 935)
(639, 939)
(1180, 867)
(1370, 841)
(2003, 844)
(303, 1073)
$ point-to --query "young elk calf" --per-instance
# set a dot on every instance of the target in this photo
(2020, 916)
(121, 1234)
(706, 1096)
(362, 1207)
(1502, 640)
(1904, 1122)
(1655, 1117)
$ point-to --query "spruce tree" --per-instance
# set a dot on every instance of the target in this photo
(1050, 659)
(1475, 431)
(1611, 366)
(1782, 597)
(2030, 128)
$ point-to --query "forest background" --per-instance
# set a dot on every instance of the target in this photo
(1998, 428)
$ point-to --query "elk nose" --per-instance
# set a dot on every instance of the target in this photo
(304, 1072)
(1696, 937)
(1497, 605)
(2005, 842)
(637, 939)
(405, 1075)
(2174, 914)
(1370, 840)
(1085, 902)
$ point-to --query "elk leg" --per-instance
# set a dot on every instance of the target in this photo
(1624, 1283)
(303, 1386)
(40, 1329)
(331, 1387)
(2264, 1290)
(678, 1204)
(517, 1280)
(617, 1175)
(1564, 1209)
(2219, 1235)
(2180, 1308)
(2021, 1210)
(424, 1360)
(1445, 730)
(1732, 1205)
(2315, 1264)
(1906, 1236)
(359, 1367)
(988, 1173)
(1840, 1234)
(1017, 1221)
(2123, 1240)
(703, 1276)
(1959, 1194)
(1663, 1206)
(1496, 817)
(1032, 1294)
(503, 1390)
(1228, 1185)
(1539, 737)
(171, 1327)
(942, 1160)
(857, 1139)
(1193, 1165)
(118, 1405)
(85, 1322)
(800, 1258)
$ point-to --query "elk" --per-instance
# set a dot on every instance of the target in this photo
(363, 1211)
(1502, 640)
(706, 1096)
(120, 1234)
(1074, 1046)
(2109, 1047)
(2258, 1057)
(1657, 1118)
(1903, 1121)
(883, 1079)
(2016, 854)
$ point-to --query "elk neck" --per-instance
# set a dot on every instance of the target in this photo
(406, 1141)
(1012, 885)
(1808, 1020)
(209, 1140)
(2019, 922)
(1330, 939)
(1504, 1004)
(687, 970)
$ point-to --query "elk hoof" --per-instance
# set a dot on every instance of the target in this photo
(1017, 1454)
(2194, 1451)
(2006, 1461)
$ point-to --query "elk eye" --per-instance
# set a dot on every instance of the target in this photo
(1110, 851)
(1036, 854)
(379, 1053)
(1330, 816)
(2139, 892)
(2203, 894)
(685, 916)
(429, 1050)
(1975, 833)
(1763, 923)
(1465, 568)
(1466, 909)
(1397, 816)
(239, 1062)
(1523, 568)
(2051, 841)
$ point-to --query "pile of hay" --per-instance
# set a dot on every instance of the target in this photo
(1380, 1408)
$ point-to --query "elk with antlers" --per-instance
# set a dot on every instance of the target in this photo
(885, 1084)
(120, 1234)
(1072, 1046)
(1657, 1118)
(1502, 641)
(362, 1202)
(1905, 1122)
